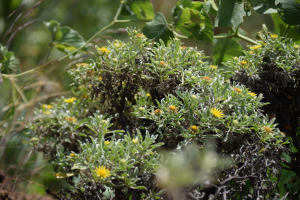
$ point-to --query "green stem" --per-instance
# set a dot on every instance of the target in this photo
(246, 39)
(119, 11)
(19, 90)
(48, 54)
(223, 37)
(286, 31)
(179, 36)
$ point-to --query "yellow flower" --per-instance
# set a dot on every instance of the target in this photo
(235, 122)
(118, 44)
(72, 155)
(102, 172)
(141, 108)
(71, 119)
(81, 64)
(162, 63)
(103, 50)
(274, 36)
(193, 77)
(47, 106)
(251, 52)
(172, 108)
(140, 35)
(255, 47)
(106, 142)
(123, 161)
(214, 66)
(100, 78)
(238, 90)
(70, 100)
(206, 78)
(267, 129)
(148, 95)
(296, 46)
(135, 141)
(47, 112)
(235, 58)
(243, 62)
(104, 122)
(252, 94)
(216, 112)
(194, 128)
(193, 96)
(158, 112)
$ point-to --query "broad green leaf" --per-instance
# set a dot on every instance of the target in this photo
(53, 28)
(8, 60)
(158, 28)
(11, 62)
(142, 8)
(289, 11)
(264, 7)
(231, 13)
(210, 7)
(64, 38)
(191, 19)
(225, 49)
(280, 27)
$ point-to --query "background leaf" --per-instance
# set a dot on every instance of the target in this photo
(231, 13)
(191, 19)
(143, 9)
(289, 11)
(64, 38)
(8, 60)
(264, 7)
(280, 27)
(225, 49)
(210, 7)
(158, 28)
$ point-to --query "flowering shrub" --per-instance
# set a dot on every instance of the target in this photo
(136, 99)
